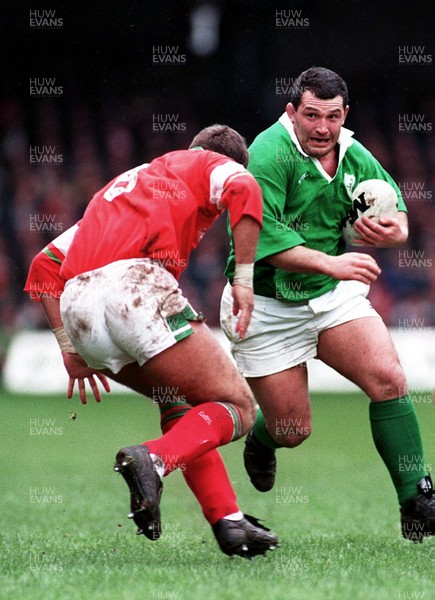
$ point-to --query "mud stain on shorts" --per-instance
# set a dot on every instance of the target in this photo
(139, 272)
(174, 303)
(79, 328)
(84, 278)
(124, 312)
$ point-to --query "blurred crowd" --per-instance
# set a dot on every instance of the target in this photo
(54, 156)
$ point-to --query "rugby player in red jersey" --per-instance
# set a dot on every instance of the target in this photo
(117, 311)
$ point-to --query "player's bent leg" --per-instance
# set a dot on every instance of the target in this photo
(285, 404)
(362, 351)
(207, 477)
(284, 420)
(199, 369)
(236, 533)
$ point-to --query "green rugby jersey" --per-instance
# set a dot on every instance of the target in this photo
(303, 205)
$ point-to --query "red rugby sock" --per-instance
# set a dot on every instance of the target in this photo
(207, 478)
(202, 428)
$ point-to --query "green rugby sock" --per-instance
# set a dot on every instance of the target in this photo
(397, 438)
(261, 432)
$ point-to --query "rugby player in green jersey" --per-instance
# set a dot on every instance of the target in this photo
(311, 295)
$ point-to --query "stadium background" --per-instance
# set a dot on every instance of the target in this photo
(133, 80)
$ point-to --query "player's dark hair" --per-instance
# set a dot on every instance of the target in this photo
(323, 83)
(224, 140)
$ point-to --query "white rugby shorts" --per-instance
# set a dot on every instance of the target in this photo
(281, 335)
(127, 311)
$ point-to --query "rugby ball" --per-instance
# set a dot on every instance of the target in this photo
(373, 198)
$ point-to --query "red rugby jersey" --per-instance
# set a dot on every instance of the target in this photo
(157, 210)
(161, 210)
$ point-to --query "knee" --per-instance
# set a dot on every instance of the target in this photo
(248, 414)
(389, 382)
(244, 404)
(291, 432)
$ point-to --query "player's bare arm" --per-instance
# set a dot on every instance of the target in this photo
(245, 235)
(75, 366)
(386, 233)
(351, 265)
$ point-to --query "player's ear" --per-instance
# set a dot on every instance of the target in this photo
(346, 110)
(290, 110)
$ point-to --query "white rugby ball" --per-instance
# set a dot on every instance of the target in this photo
(373, 198)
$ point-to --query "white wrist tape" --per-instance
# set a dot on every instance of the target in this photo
(63, 340)
(244, 274)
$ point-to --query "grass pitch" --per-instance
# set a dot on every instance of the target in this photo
(65, 534)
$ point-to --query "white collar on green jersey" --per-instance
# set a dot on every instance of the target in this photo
(345, 140)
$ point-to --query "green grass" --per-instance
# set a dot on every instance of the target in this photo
(333, 507)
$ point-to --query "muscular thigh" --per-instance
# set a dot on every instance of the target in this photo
(362, 351)
(197, 368)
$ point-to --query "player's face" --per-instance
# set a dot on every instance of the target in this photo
(317, 123)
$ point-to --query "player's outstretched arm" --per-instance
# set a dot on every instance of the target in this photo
(351, 265)
(386, 233)
(75, 366)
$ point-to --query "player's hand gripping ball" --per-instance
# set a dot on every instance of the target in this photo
(373, 198)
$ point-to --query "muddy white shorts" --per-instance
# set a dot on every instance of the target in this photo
(281, 335)
(127, 311)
